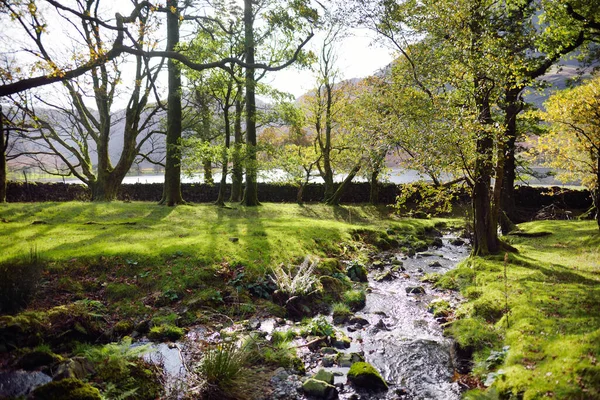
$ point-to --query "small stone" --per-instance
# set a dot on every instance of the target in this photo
(328, 361)
(435, 264)
(345, 360)
(378, 264)
(328, 350)
(415, 290)
(457, 242)
(384, 276)
(358, 321)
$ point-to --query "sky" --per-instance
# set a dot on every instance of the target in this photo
(358, 57)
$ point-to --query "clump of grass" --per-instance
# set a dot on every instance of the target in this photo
(166, 332)
(120, 291)
(354, 299)
(224, 369)
(278, 337)
(341, 312)
(19, 280)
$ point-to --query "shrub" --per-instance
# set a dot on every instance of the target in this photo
(18, 282)
(300, 281)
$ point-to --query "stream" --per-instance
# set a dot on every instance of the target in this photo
(395, 332)
(402, 339)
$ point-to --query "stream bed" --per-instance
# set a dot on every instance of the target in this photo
(396, 333)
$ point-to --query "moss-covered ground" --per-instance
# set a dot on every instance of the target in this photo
(533, 319)
(96, 273)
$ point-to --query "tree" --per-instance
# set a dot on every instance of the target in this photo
(78, 134)
(572, 144)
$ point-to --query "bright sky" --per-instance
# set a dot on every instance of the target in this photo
(357, 58)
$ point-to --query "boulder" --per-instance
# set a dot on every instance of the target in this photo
(364, 375)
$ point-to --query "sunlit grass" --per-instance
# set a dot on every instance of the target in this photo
(553, 323)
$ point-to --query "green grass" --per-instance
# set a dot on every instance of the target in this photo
(553, 323)
(267, 235)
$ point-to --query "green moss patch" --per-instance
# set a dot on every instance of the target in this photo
(364, 375)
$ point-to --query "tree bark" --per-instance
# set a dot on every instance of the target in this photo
(172, 186)
(224, 159)
(597, 197)
(335, 199)
(485, 236)
(326, 150)
(504, 188)
(374, 183)
(237, 171)
(3, 148)
(251, 191)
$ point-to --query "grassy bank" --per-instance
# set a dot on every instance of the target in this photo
(543, 304)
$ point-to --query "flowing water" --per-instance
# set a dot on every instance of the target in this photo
(403, 340)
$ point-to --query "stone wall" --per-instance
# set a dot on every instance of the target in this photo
(525, 196)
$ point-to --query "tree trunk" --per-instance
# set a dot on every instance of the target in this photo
(335, 199)
(374, 193)
(3, 148)
(597, 197)
(105, 189)
(300, 193)
(504, 190)
(208, 175)
(485, 235)
(327, 169)
(251, 190)
(172, 186)
(237, 169)
(221, 197)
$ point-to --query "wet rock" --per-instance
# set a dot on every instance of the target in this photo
(381, 326)
(324, 376)
(437, 242)
(21, 383)
(319, 389)
(397, 262)
(384, 276)
(328, 360)
(457, 241)
(415, 290)
(397, 268)
(77, 367)
(377, 264)
(358, 321)
(328, 350)
(357, 272)
(435, 264)
(253, 324)
(364, 375)
(342, 342)
(347, 359)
